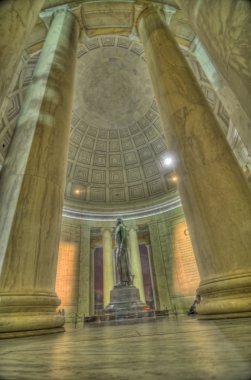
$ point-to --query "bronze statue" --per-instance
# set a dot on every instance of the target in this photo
(121, 255)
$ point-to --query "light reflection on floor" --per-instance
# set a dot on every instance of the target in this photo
(181, 349)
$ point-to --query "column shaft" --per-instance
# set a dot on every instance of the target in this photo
(32, 187)
(136, 263)
(17, 19)
(108, 281)
(214, 194)
(84, 272)
(159, 271)
(230, 55)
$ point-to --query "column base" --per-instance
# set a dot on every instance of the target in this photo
(26, 315)
(226, 297)
(224, 316)
(22, 334)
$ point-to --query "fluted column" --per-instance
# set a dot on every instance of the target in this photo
(163, 299)
(136, 263)
(84, 271)
(32, 188)
(108, 281)
(214, 194)
(17, 19)
(212, 21)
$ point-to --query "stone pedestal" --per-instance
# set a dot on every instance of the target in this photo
(124, 299)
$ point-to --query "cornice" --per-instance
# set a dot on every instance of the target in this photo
(126, 215)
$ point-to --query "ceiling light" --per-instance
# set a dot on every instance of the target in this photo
(168, 161)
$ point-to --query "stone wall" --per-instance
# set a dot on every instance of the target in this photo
(175, 274)
(180, 265)
(67, 280)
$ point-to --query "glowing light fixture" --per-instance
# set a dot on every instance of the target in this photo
(168, 161)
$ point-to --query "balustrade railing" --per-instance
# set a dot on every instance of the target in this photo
(116, 316)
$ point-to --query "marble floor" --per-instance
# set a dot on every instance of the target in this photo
(175, 349)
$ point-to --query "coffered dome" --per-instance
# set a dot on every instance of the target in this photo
(117, 148)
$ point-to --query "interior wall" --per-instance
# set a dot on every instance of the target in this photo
(174, 269)
(181, 269)
(67, 275)
(67, 279)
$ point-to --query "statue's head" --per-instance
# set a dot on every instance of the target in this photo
(119, 221)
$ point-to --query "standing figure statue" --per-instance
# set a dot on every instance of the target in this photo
(121, 255)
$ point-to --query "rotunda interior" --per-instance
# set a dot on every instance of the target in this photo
(138, 110)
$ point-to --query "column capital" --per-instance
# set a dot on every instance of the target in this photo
(106, 229)
(165, 12)
(133, 228)
(85, 226)
(76, 12)
(49, 15)
(66, 10)
(61, 9)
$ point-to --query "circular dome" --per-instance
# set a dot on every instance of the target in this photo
(113, 87)
(117, 149)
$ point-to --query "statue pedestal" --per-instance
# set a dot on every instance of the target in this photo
(124, 298)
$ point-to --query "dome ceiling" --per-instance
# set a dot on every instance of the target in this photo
(117, 148)
(113, 86)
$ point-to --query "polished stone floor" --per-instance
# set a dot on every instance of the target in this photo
(174, 349)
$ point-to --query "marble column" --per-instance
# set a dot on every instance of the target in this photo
(32, 189)
(108, 281)
(136, 263)
(84, 271)
(17, 19)
(163, 299)
(224, 28)
(238, 117)
(92, 279)
(215, 196)
(153, 282)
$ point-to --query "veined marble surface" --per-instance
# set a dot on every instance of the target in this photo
(174, 349)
